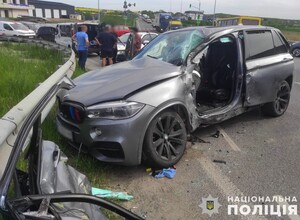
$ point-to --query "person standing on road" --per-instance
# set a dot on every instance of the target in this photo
(82, 40)
(137, 43)
(107, 42)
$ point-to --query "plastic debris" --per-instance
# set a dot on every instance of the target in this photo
(168, 173)
(148, 170)
(103, 193)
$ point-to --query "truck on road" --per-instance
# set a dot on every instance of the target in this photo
(162, 21)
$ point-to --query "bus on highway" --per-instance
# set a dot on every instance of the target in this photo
(240, 20)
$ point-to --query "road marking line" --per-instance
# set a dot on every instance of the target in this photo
(223, 183)
(292, 217)
(231, 143)
(298, 83)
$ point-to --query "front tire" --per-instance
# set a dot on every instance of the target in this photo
(296, 52)
(280, 105)
(165, 140)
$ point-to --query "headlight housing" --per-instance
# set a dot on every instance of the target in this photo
(114, 110)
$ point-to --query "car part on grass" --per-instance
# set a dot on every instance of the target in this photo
(103, 193)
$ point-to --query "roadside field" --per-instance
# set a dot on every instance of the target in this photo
(22, 67)
(292, 36)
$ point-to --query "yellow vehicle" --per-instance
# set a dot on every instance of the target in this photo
(241, 20)
(174, 25)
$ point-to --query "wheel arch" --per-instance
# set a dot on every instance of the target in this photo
(290, 81)
(178, 107)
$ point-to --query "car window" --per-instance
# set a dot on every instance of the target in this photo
(279, 45)
(173, 47)
(7, 27)
(260, 44)
(65, 30)
(19, 26)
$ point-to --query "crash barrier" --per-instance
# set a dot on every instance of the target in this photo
(12, 121)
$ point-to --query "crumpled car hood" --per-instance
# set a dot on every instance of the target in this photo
(118, 81)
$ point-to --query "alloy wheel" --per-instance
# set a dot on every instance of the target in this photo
(282, 100)
(296, 52)
(168, 138)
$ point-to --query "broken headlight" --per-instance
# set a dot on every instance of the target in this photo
(114, 110)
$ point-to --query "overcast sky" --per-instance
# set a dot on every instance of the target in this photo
(264, 8)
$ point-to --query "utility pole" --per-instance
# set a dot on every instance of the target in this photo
(214, 21)
(99, 14)
(181, 7)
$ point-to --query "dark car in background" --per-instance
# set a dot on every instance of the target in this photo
(46, 33)
(144, 109)
(295, 49)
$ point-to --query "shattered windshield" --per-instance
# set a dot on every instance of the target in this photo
(173, 47)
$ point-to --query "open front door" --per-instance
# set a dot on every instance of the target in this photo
(129, 50)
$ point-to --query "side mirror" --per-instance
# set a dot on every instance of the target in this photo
(146, 42)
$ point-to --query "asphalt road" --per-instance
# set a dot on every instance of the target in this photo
(144, 26)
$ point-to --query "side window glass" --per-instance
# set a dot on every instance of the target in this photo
(260, 44)
(279, 45)
(7, 27)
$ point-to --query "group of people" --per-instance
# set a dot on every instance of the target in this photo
(108, 40)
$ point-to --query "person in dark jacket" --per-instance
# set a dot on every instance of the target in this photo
(107, 42)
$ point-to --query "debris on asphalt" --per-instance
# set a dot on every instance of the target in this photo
(103, 193)
(219, 161)
(148, 170)
(217, 134)
(194, 139)
(168, 173)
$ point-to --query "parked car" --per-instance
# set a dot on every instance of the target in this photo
(67, 30)
(144, 109)
(146, 38)
(37, 183)
(121, 29)
(46, 33)
(11, 28)
(295, 49)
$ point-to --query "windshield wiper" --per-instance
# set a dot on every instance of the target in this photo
(152, 57)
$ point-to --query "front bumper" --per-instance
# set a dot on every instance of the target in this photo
(116, 141)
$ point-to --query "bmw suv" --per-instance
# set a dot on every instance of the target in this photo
(143, 109)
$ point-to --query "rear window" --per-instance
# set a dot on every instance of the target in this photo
(260, 44)
(279, 44)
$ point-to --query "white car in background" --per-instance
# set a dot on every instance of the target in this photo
(146, 38)
(16, 29)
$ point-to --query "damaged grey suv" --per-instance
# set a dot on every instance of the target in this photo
(144, 109)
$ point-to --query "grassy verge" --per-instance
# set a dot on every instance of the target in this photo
(118, 20)
(22, 67)
(292, 36)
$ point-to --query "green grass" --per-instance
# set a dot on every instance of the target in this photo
(118, 20)
(22, 67)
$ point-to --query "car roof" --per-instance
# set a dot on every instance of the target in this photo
(210, 31)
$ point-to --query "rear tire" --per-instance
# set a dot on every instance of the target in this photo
(165, 140)
(280, 105)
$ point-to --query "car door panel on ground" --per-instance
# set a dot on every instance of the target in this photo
(268, 63)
